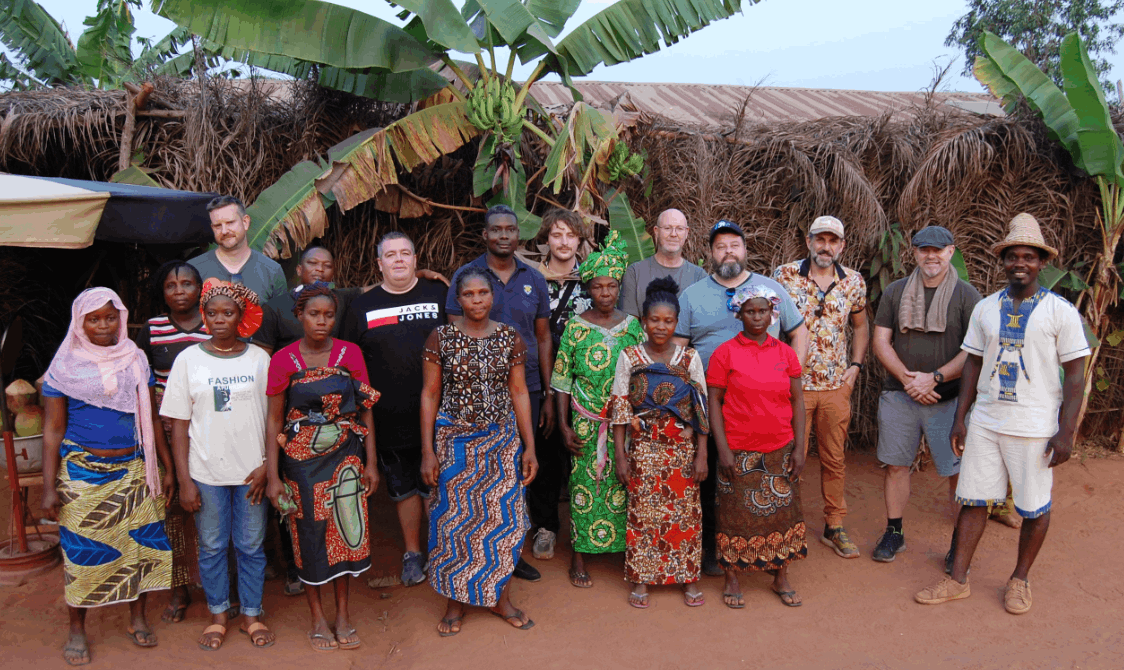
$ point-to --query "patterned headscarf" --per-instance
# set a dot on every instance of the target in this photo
(245, 298)
(751, 291)
(611, 261)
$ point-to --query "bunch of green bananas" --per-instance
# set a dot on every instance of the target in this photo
(621, 163)
(492, 106)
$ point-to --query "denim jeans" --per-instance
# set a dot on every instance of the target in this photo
(226, 514)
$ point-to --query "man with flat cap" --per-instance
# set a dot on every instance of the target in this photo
(1024, 417)
(920, 323)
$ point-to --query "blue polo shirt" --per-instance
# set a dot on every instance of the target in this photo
(706, 319)
(524, 298)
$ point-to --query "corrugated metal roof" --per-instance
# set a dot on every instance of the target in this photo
(714, 107)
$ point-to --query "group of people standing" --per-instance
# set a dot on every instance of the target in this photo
(660, 397)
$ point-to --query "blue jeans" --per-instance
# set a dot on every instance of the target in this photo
(226, 514)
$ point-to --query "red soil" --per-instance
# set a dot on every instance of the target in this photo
(857, 614)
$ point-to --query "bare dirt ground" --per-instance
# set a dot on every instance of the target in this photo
(857, 614)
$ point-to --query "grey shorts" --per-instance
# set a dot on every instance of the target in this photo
(902, 420)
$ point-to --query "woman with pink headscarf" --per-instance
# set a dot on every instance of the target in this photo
(108, 495)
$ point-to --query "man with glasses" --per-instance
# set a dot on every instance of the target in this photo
(233, 260)
(708, 318)
(829, 295)
(670, 235)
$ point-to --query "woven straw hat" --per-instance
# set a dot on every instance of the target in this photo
(1024, 231)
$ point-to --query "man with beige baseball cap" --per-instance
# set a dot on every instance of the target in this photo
(1017, 339)
(829, 296)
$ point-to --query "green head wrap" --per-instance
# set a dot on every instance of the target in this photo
(609, 262)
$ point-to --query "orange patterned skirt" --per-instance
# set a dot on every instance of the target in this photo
(663, 540)
(760, 523)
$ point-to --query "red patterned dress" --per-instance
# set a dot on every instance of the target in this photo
(664, 407)
(322, 459)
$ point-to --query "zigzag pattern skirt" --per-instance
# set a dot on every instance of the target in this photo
(478, 512)
(760, 524)
(112, 532)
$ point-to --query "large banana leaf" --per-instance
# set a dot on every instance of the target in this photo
(105, 48)
(443, 24)
(306, 29)
(1099, 151)
(630, 29)
(553, 14)
(289, 214)
(631, 227)
(1011, 70)
(38, 42)
(587, 131)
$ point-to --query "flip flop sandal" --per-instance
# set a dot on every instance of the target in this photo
(577, 575)
(257, 627)
(694, 601)
(518, 616)
(740, 604)
(341, 635)
(451, 623)
(149, 637)
(213, 629)
(320, 636)
(643, 597)
(787, 594)
(85, 649)
(175, 615)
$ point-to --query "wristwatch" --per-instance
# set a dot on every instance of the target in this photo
(938, 377)
(856, 364)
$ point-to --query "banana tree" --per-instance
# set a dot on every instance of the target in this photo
(45, 56)
(1080, 121)
(480, 99)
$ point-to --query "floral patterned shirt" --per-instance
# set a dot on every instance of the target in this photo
(826, 315)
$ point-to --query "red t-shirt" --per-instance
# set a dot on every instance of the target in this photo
(288, 361)
(757, 407)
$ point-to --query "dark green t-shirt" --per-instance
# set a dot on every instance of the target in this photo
(925, 352)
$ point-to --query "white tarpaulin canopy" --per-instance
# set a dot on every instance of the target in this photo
(70, 213)
(41, 213)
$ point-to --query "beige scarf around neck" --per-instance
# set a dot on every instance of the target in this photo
(911, 312)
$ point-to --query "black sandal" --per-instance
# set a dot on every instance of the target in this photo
(518, 616)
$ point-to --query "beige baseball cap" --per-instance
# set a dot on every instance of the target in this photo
(826, 224)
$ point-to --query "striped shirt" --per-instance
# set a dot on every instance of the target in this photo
(162, 340)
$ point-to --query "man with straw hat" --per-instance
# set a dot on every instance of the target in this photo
(1017, 339)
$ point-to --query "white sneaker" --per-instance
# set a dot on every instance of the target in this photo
(543, 548)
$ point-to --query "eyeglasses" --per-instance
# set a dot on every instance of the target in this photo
(730, 300)
(674, 230)
(236, 278)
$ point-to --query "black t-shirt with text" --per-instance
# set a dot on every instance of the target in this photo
(391, 330)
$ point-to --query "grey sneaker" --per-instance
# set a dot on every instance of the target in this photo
(543, 548)
(413, 572)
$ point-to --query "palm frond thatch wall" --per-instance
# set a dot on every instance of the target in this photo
(931, 164)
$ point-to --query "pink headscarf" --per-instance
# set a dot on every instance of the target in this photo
(114, 377)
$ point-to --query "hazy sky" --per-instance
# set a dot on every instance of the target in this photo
(885, 45)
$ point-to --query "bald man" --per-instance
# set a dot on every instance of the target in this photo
(670, 234)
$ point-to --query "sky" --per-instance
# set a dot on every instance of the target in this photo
(878, 45)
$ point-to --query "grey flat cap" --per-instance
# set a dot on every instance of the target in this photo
(933, 236)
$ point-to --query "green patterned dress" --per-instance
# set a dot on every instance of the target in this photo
(584, 368)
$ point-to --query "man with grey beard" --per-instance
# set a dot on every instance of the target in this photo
(708, 318)
(829, 296)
